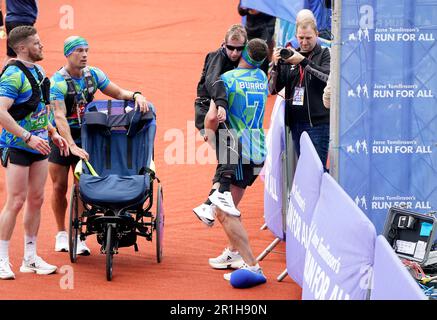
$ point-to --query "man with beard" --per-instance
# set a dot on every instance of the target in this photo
(24, 94)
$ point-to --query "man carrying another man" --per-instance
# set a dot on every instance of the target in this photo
(211, 88)
(246, 88)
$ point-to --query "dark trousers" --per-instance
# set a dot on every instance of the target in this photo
(319, 135)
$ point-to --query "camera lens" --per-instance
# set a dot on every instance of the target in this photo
(285, 53)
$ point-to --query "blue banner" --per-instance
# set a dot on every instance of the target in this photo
(341, 248)
(285, 32)
(391, 279)
(302, 201)
(287, 10)
(284, 9)
(273, 179)
(388, 115)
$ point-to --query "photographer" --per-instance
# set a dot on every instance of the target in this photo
(304, 74)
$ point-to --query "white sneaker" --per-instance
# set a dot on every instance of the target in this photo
(224, 202)
(227, 259)
(255, 269)
(61, 244)
(82, 248)
(37, 265)
(5, 269)
(205, 213)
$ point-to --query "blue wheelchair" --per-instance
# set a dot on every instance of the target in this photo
(116, 186)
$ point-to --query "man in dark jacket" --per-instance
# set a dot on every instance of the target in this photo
(211, 88)
(304, 77)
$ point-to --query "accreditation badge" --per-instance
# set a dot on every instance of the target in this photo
(298, 96)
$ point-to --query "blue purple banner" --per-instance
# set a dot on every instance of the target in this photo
(388, 115)
(273, 179)
(302, 201)
(341, 248)
(391, 280)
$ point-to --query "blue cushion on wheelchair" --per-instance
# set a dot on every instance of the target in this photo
(243, 278)
(113, 190)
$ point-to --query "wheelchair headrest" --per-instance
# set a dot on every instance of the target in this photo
(133, 120)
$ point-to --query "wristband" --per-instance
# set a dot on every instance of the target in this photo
(136, 92)
(26, 135)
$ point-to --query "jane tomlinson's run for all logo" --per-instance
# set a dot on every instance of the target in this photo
(388, 147)
(386, 202)
(360, 146)
(391, 35)
(361, 202)
(360, 35)
(378, 31)
(388, 91)
(360, 91)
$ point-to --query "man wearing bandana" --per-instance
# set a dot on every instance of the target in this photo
(72, 87)
(246, 88)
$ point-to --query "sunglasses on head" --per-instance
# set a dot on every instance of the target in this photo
(232, 48)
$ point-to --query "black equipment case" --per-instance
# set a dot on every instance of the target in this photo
(411, 235)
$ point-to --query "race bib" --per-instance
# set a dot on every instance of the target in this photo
(298, 96)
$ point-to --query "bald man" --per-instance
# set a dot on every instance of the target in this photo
(71, 89)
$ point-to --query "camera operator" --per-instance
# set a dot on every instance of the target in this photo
(304, 75)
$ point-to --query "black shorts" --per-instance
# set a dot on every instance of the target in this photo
(56, 157)
(201, 108)
(228, 150)
(246, 174)
(19, 157)
(9, 26)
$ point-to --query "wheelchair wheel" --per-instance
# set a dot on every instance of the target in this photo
(109, 253)
(159, 224)
(73, 231)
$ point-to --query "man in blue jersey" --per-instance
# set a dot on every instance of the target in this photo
(24, 147)
(18, 13)
(72, 87)
(246, 88)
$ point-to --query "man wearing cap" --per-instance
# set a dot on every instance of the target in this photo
(72, 87)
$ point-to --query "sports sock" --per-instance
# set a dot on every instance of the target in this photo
(4, 249)
(225, 184)
(29, 247)
(208, 202)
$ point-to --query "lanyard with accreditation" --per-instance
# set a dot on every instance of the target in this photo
(299, 90)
